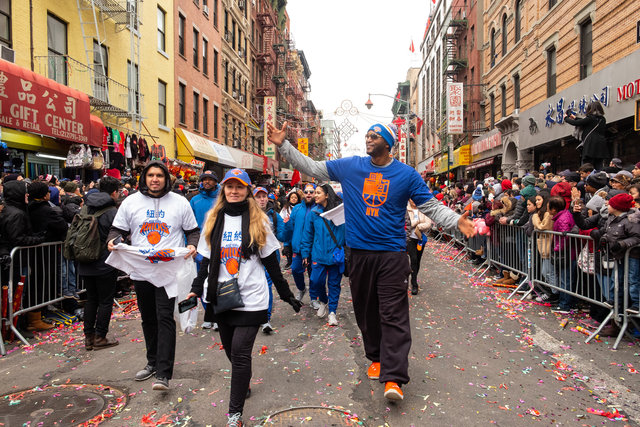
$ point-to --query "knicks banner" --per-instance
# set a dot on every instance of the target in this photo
(269, 117)
(303, 146)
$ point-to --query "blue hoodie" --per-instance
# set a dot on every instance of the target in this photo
(316, 239)
(202, 202)
(295, 226)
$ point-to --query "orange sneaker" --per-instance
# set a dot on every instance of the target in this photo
(392, 391)
(374, 371)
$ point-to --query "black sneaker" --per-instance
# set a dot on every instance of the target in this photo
(145, 373)
(248, 393)
(161, 384)
(235, 420)
(560, 310)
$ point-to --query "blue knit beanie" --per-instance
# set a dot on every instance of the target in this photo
(477, 193)
(388, 132)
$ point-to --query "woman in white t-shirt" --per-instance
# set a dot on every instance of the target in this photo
(237, 243)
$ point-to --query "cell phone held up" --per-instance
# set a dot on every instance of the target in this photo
(187, 304)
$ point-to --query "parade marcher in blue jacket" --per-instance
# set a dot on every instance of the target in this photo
(277, 227)
(318, 244)
(297, 220)
(200, 204)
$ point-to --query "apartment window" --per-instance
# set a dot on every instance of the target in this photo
(225, 125)
(226, 76)
(5, 22)
(492, 111)
(245, 95)
(516, 91)
(586, 53)
(205, 115)
(233, 34)
(215, 122)
(162, 20)
(552, 3)
(205, 56)
(133, 80)
(551, 72)
(57, 49)
(196, 53)
(214, 7)
(100, 65)
(162, 103)
(215, 66)
(503, 100)
(196, 111)
(518, 20)
(493, 47)
(182, 98)
(181, 26)
(504, 34)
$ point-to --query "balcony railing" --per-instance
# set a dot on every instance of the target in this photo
(105, 94)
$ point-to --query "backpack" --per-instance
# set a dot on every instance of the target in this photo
(83, 238)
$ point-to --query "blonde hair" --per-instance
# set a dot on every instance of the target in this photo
(257, 218)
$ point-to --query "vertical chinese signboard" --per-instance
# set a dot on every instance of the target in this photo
(269, 117)
(455, 123)
(402, 153)
(303, 146)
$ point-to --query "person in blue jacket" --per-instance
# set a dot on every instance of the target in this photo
(300, 215)
(277, 227)
(319, 244)
(200, 204)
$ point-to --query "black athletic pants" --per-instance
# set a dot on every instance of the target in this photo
(99, 304)
(415, 256)
(379, 292)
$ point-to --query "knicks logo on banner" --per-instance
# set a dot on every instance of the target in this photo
(154, 231)
(374, 192)
(229, 257)
(163, 255)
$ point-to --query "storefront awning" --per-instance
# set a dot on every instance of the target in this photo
(192, 146)
(480, 164)
(36, 104)
(247, 161)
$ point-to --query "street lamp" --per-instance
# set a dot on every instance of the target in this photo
(407, 116)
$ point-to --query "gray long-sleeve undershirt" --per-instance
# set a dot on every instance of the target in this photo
(433, 208)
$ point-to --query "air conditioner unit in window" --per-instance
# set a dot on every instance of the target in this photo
(234, 94)
(241, 53)
(7, 54)
(227, 36)
(241, 4)
(205, 9)
(241, 98)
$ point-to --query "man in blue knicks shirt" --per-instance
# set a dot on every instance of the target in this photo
(376, 190)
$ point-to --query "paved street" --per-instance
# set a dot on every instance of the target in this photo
(476, 359)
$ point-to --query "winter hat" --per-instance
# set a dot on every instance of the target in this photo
(209, 174)
(385, 131)
(562, 189)
(10, 177)
(529, 180)
(638, 165)
(497, 188)
(309, 185)
(598, 180)
(70, 187)
(477, 193)
(528, 191)
(622, 202)
(37, 190)
(625, 173)
(616, 161)
(621, 179)
(506, 185)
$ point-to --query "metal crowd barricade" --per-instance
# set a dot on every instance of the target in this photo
(624, 313)
(508, 247)
(41, 265)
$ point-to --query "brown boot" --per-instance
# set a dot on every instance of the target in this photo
(507, 282)
(35, 323)
(89, 340)
(506, 275)
(104, 342)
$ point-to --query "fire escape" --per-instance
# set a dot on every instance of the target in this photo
(454, 59)
(266, 55)
(280, 77)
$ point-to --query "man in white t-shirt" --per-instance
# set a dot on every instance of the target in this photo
(156, 218)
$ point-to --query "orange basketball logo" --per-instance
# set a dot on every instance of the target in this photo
(232, 266)
(154, 237)
(375, 190)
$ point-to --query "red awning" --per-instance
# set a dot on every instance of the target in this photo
(270, 166)
(97, 131)
(36, 104)
(480, 164)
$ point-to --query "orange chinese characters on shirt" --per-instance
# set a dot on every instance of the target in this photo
(374, 193)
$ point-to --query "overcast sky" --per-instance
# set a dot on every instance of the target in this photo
(357, 47)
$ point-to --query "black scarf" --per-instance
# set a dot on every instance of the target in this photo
(246, 250)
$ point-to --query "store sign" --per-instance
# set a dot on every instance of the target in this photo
(455, 124)
(36, 104)
(556, 112)
(303, 146)
(197, 163)
(269, 117)
(402, 147)
(629, 90)
(484, 143)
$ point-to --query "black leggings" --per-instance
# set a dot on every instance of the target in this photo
(415, 256)
(238, 342)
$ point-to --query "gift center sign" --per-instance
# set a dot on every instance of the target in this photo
(36, 104)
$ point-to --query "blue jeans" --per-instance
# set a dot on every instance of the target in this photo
(634, 281)
(297, 271)
(548, 272)
(318, 283)
(566, 275)
(69, 283)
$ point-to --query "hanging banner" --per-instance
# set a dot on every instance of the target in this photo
(303, 146)
(402, 148)
(269, 117)
(455, 124)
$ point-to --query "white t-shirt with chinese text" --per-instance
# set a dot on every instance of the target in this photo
(252, 280)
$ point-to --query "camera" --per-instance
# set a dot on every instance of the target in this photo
(570, 112)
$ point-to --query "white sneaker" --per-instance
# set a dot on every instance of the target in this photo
(215, 326)
(300, 294)
(207, 325)
(266, 328)
(322, 310)
(315, 304)
(333, 320)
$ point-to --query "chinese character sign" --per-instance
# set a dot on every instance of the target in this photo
(269, 117)
(303, 146)
(454, 108)
(402, 147)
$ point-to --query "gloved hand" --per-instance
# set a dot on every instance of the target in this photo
(615, 246)
(595, 234)
(604, 241)
(294, 303)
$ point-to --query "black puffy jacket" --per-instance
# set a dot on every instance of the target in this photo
(48, 219)
(15, 227)
(96, 202)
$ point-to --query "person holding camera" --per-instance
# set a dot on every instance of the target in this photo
(237, 245)
(593, 141)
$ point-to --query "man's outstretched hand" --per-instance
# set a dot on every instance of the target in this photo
(465, 225)
(276, 135)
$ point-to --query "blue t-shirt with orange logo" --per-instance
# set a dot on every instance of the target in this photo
(375, 201)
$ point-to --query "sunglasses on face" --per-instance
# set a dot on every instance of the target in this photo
(309, 192)
(372, 135)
